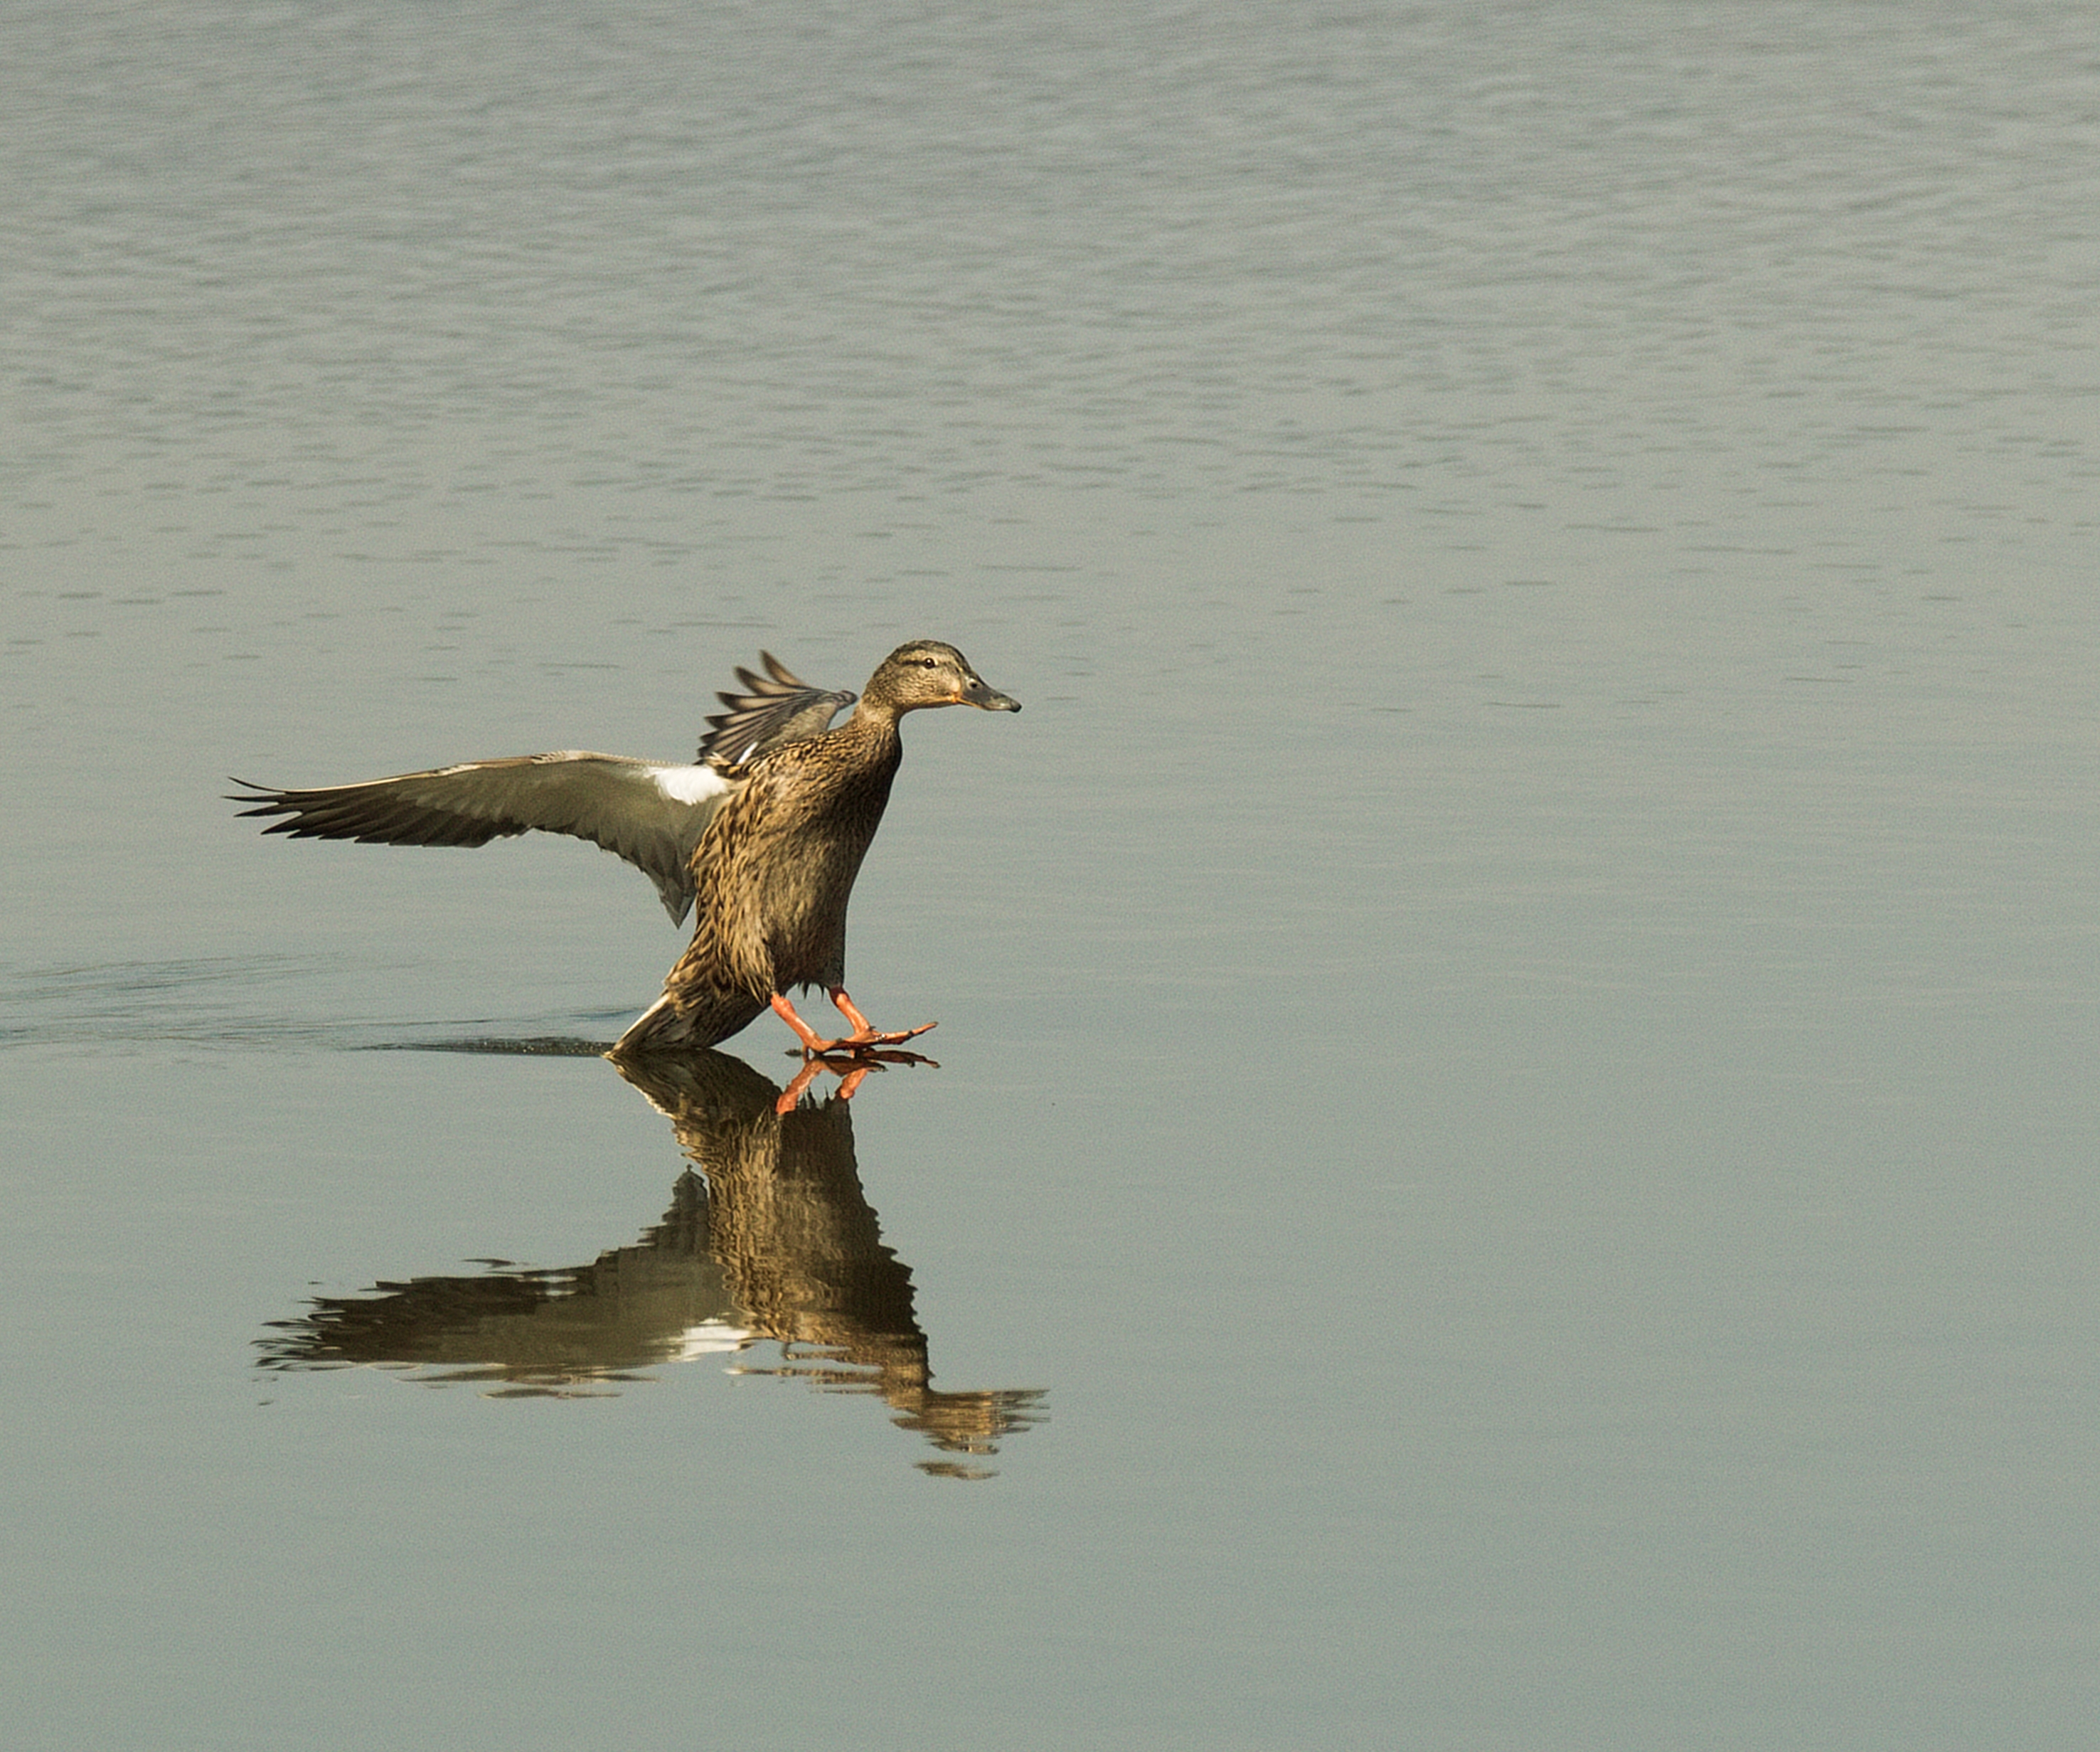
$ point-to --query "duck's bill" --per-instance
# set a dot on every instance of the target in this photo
(987, 699)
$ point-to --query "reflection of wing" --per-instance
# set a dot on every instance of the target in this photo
(780, 707)
(650, 815)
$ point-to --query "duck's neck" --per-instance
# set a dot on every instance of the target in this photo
(874, 719)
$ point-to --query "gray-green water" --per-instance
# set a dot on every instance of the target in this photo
(1513, 1158)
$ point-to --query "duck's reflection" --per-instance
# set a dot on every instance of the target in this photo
(776, 1242)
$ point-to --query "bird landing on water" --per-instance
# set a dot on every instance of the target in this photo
(764, 834)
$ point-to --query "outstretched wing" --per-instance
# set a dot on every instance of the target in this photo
(650, 815)
(777, 707)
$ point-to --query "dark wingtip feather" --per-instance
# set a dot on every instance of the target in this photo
(359, 813)
(776, 708)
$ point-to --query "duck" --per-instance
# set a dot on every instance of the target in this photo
(760, 836)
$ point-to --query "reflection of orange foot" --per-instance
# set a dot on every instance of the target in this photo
(871, 1058)
(851, 1070)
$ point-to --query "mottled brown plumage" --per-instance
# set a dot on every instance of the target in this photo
(774, 869)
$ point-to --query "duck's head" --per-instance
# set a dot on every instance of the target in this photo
(926, 672)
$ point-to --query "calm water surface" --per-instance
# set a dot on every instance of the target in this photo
(1513, 1163)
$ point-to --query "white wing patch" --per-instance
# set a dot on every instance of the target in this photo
(689, 784)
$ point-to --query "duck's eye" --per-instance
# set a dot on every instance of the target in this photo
(929, 663)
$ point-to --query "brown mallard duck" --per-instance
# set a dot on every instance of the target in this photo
(766, 829)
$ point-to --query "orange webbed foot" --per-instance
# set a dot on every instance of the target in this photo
(864, 1038)
(866, 1034)
(863, 1041)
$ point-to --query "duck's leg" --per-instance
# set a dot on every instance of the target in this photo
(865, 1034)
(811, 1043)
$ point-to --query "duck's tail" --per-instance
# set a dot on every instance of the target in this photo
(682, 1020)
